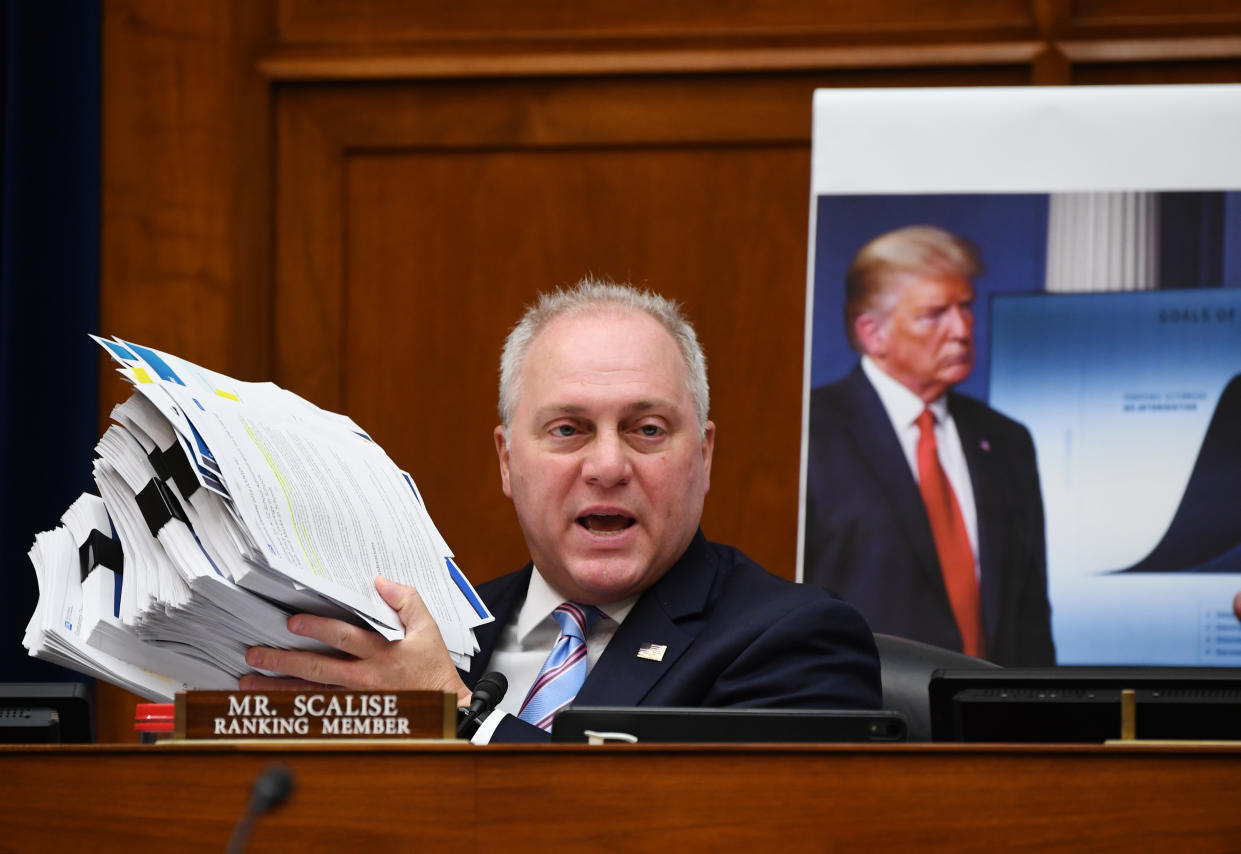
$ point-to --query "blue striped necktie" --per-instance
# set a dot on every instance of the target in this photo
(564, 671)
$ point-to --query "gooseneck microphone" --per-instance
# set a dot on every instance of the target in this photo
(271, 789)
(488, 692)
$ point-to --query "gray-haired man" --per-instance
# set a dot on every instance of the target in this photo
(605, 449)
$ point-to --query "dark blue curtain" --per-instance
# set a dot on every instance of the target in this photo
(1194, 233)
(49, 289)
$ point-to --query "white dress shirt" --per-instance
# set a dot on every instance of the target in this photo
(525, 642)
(903, 408)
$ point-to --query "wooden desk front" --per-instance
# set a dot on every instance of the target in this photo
(440, 797)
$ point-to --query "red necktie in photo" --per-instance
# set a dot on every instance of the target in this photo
(952, 542)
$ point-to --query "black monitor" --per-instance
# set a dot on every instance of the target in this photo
(1085, 704)
(652, 724)
(46, 713)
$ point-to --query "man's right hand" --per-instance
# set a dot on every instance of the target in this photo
(419, 661)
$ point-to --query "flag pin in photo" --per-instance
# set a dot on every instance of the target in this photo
(652, 651)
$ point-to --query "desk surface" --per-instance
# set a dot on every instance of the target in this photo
(438, 796)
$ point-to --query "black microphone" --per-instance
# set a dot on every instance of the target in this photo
(271, 789)
(487, 693)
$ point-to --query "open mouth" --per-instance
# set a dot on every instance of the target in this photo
(605, 524)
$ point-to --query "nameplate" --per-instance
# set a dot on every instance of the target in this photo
(330, 713)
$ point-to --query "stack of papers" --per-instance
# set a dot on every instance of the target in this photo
(224, 507)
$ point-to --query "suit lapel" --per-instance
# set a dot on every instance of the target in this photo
(871, 430)
(503, 596)
(987, 480)
(621, 677)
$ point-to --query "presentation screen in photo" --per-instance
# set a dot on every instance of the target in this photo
(1134, 402)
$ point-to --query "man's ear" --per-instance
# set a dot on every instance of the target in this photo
(872, 334)
(708, 448)
(502, 453)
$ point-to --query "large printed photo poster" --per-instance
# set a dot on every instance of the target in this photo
(1130, 396)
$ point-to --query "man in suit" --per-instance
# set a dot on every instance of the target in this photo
(605, 450)
(923, 506)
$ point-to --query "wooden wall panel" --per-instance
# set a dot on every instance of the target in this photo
(186, 194)
(1191, 15)
(1148, 41)
(372, 22)
(1225, 70)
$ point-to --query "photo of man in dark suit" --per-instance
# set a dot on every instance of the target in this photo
(605, 449)
(923, 506)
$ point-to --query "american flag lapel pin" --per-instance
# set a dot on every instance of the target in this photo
(985, 445)
(652, 651)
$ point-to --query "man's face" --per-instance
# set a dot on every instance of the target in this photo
(926, 341)
(604, 463)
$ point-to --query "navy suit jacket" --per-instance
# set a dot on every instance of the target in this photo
(868, 539)
(736, 635)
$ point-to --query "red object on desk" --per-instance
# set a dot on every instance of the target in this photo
(153, 717)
